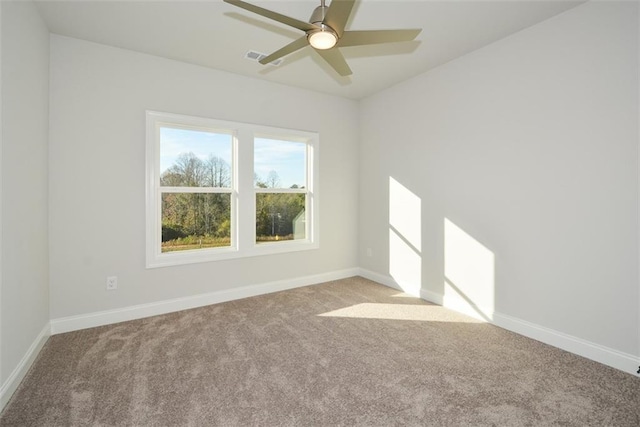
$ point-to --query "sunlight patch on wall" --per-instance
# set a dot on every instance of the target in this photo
(415, 312)
(469, 269)
(405, 214)
(405, 238)
(405, 264)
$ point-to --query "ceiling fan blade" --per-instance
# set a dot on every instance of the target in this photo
(336, 60)
(292, 22)
(359, 38)
(338, 15)
(290, 48)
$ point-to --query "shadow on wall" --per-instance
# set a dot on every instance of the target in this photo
(469, 266)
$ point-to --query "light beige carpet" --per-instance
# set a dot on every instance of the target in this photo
(344, 353)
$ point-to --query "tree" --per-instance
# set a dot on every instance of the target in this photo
(259, 183)
(273, 180)
(187, 171)
(275, 213)
(196, 214)
(218, 172)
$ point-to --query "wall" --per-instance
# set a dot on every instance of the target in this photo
(518, 166)
(24, 310)
(98, 98)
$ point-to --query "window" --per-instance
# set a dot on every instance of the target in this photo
(281, 190)
(219, 190)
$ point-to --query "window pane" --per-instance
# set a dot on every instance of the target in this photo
(190, 158)
(279, 164)
(195, 221)
(280, 217)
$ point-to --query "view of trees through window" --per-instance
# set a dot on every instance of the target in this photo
(196, 184)
(195, 221)
(196, 189)
(280, 182)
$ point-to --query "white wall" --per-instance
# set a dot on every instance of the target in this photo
(24, 310)
(99, 95)
(520, 163)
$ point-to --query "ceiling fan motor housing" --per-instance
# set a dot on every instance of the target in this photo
(317, 17)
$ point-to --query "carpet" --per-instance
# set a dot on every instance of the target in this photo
(343, 353)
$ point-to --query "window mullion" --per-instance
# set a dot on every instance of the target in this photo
(246, 198)
(195, 190)
(282, 190)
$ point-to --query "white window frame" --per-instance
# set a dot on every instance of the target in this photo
(243, 192)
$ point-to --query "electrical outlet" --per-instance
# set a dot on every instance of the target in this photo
(112, 283)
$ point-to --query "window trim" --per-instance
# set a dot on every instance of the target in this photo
(243, 193)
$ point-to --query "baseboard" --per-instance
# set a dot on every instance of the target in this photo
(605, 355)
(90, 320)
(461, 305)
(599, 353)
(18, 374)
(392, 283)
(380, 278)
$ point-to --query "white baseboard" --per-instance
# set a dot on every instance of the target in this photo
(18, 374)
(380, 278)
(461, 305)
(392, 283)
(90, 320)
(599, 353)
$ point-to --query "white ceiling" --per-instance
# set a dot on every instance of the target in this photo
(217, 35)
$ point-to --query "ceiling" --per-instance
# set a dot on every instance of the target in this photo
(217, 35)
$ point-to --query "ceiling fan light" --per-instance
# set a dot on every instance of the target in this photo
(323, 39)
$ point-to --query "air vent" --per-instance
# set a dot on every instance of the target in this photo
(257, 56)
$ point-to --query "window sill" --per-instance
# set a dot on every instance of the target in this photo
(169, 259)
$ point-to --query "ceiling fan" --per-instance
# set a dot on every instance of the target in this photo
(325, 32)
